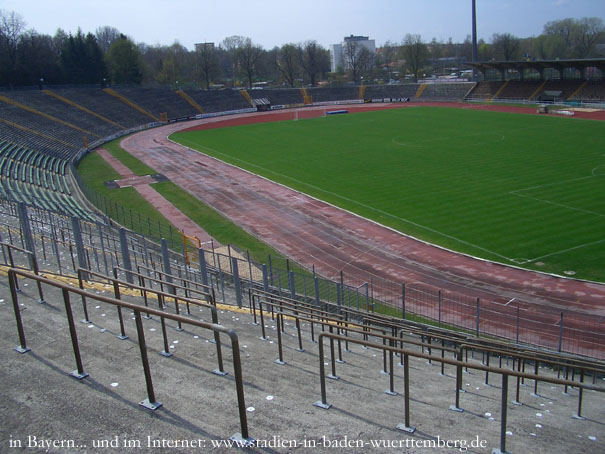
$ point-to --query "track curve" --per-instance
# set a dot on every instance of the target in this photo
(312, 232)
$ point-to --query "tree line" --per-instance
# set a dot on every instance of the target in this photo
(108, 56)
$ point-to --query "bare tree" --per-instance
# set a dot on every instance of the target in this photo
(388, 55)
(12, 26)
(506, 46)
(415, 53)
(247, 57)
(287, 63)
(207, 62)
(228, 48)
(106, 36)
(357, 59)
(313, 58)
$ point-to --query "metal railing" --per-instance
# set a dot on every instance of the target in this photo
(407, 353)
(243, 437)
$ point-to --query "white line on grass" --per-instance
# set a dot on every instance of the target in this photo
(567, 250)
(352, 201)
(516, 191)
(558, 204)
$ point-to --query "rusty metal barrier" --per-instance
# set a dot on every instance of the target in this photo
(406, 426)
(243, 437)
(161, 297)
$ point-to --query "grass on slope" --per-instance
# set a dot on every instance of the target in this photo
(94, 171)
(524, 190)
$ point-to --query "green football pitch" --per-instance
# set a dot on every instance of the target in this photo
(524, 190)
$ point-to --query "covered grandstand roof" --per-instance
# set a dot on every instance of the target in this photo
(540, 65)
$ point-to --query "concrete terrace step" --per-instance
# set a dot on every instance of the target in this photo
(40, 399)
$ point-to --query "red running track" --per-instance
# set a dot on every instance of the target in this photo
(312, 232)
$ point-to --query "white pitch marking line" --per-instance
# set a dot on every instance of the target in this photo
(510, 301)
(567, 250)
(559, 205)
(355, 202)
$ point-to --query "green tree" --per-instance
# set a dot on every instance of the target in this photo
(124, 62)
(82, 59)
(37, 63)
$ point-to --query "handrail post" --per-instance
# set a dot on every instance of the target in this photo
(280, 360)
(242, 438)
(391, 391)
(333, 375)
(504, 403)
(456, 406)
(580, 396)
(149, 403)
(84, 305)
(12, 279)
(406, 385)
(116, 291)
(217, 340)
(166, 352)
(322, 376)
(79, 372)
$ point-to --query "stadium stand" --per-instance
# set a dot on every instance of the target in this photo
(333, 94)
(37, 179)
(61, 123)
(213, 101)
(592, 90)
(282, 96)
(106, 105)
(390, 91)
(452, 91)
(45, 103)
(485, 90)
(159, 101)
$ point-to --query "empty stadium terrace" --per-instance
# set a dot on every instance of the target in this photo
(256, 353)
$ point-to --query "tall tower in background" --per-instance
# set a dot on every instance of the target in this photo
(475, 53)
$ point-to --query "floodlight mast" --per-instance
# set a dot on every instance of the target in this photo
(475, 56)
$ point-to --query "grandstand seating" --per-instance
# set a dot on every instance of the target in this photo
(282, 96)
(56, 125)
(104, 104)
(158, 101)
(37, 179)
(390, 91)
(213, 101)
(451, 91)
(593, 90)
(333, 94)
(52, 106)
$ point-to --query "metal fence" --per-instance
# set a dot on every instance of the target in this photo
(64, 244)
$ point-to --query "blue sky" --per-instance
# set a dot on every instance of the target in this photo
(276, 22)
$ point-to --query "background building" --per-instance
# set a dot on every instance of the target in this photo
(340, 53)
